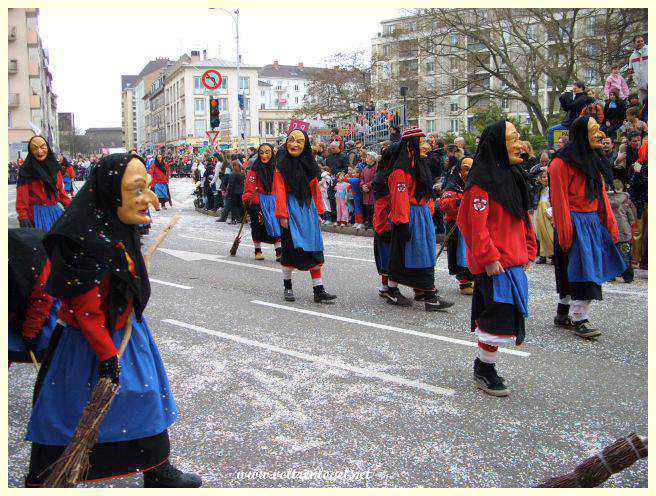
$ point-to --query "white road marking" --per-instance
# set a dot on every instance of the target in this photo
(166, 283)
(625, 291)
(319, 360)
(437, 337)
(191, 256)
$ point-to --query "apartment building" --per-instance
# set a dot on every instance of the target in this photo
(128, 111)
(32, 102)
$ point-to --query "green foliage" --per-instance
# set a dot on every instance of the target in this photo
(494, 113)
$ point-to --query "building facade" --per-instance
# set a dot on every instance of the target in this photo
(128, 111)
(66, 121)
(105, 137)
(32, 102)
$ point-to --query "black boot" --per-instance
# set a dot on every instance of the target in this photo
(288, 293)
(582, 330)
(320, 295)
(278, 254)
(394, 297)
(433, 303)
(487, 379)
(419, 296)
(562, 318)
(166, 475)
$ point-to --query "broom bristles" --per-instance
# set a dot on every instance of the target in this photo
(235, 246)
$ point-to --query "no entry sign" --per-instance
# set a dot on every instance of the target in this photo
(211, 79)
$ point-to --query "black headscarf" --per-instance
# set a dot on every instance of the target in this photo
(27, 258)
(491, 171)
(397, 156)
(579, 154)
(89, 242)
(265, 171)
(46, 171)
(299, 171)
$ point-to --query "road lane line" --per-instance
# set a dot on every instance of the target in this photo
(319, 360)
(401, 330)
(166, 283)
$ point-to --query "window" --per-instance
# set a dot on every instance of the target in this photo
(199, 105)
(454, 82)
(247, 103)
(295, 99)
(590, 26)
(531, 31)
(455, 125)
(590, 76)
(269, 128)
(296, 87)
(9, 119)
(454, 40)
(244, 83)
(430, 66)
(386, 50)
(262, 93)
(430, 107)
(199, 128)
(430, 126)
(453, 63)
(504, 103)
(454, 107)
(261, 106)
(224, 83)
(387, 29)
(223, 104)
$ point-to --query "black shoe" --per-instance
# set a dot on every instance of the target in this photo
(487, 379)
(564, 321)
(382, 291)
(419, 296)
(320, 295)
(219, 220)
(289, 295)
(541, 260)
(585, 332)
(278, 254)
(166, 475)
(395, 297)
(433, 303)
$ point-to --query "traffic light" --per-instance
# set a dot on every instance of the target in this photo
(215, 113)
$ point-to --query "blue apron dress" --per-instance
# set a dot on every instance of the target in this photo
(17, 351)
(302, 243)
(46, 215)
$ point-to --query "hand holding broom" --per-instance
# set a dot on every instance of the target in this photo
(73, 463)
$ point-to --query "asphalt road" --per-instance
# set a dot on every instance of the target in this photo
(360, 393)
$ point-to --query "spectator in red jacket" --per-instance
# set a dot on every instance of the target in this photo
(495, 223)
(39, 187)
(160, 183)
(585, 255)
(68, 175)
(449, 203)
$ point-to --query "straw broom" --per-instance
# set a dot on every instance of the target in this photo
(73, 464)
(235, 244)
(597, 469)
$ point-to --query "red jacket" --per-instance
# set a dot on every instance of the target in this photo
(158, 176)
(492, 233)
(402, 195)
(449, 203)
(567, 190)
(39, 305)
(87, 313)
(70, 172)
(252, 188)
(30, 194)
(280, 193)
(381, 215)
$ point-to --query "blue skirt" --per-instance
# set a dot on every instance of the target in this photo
(16, 345)
(593, 256)
(268, 207)
(143, 407)
(421, 250)
(382, 249)
(511, 286)
(161, 191)
(68, 184)
(46, 215)
(304, 225)
(461, 252)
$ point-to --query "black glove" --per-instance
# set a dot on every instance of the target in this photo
(25, 223)
(110, 369)
(402, 232)
(30, 343)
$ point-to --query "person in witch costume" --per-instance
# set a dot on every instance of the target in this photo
(406, 178)
(261, 203)
(298, 206)
(449, 203)
(494, 221)
(39, 188)
(160, 185)
(381, 223)
(32, 311)
(586, 233)
(99, 274)
(68, 175)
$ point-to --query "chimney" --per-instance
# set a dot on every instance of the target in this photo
(300, 65)
(275, 64)
(195, 56)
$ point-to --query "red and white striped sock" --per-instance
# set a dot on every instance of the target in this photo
(487, 353)
(316, 276)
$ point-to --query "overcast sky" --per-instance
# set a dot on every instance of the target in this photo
(90, 48)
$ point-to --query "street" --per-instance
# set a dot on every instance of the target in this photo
(361, 393)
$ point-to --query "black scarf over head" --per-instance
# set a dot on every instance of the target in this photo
(264, 171)
(579, 154)
(298, 172)
(397, 156)
(46, 171)
(89, 242)
(27, 258)
(491, 171)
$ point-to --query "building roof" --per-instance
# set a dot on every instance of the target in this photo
(287, 71)
(104, 130)
(153, 65)
(128, 80)
(209, 62)
(263, 83)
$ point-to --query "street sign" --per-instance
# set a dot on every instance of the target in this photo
(298, 124)
(212, 135)
(211, 79)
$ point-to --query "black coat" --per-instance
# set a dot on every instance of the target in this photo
(573, 105)
(337, 163)
(615, 115)
(235, 186)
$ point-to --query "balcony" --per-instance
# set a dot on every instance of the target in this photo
(13, 66)
(13, 100)
(31, 12)
(12, 34)
(32, 37)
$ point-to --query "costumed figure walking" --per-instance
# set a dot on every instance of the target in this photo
(585, 255)
(298, 206)
(32, 311)
(258, 197)
(160, 174)
(39, 189)
(449, 203)
(405, 176)
(68, 175)
(99, 274)
(493, 218)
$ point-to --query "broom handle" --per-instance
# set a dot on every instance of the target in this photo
(243, 221)
(36, 364)
(160, 239)
(446, 239)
